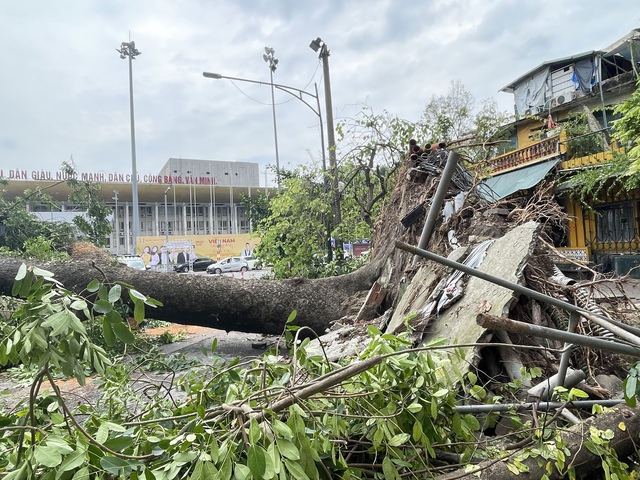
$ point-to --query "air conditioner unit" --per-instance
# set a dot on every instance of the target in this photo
(559, 100)
(532, 111)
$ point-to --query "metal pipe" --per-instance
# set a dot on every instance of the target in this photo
(574, 320)
(436, 201)
(541, 406)
(500, 323)
(600, 320)
(545, 388)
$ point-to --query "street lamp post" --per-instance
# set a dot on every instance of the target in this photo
(319, 45)
(166, 231)
(294, 92)
(273, 65)
(128, 49)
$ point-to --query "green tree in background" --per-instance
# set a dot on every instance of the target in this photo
(293, 234)
(21, 227)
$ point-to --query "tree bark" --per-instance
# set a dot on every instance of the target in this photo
(586, 463)
(252, 306)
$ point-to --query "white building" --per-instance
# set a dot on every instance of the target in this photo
(201, 197)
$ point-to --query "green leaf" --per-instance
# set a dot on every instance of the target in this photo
(389, 470)
(292, 317)
(630, 386)
(22, 272)
(115, 293)
(296, 470)
(71, 461)
(399, 439)
(281, 429)
(118, 444)
(93, 286)
(123, 333)
(287, 449)
(107, 331)
(241, 472)
(58, 322)
(102, 306)
(114, 465)
(138, 312)
(82, 474)
(256, 461)
(47, 456)
(416, 433)
(136, 295)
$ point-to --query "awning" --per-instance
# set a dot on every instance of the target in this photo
(501, 186)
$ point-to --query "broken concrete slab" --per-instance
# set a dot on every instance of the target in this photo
(505, 259)
(419, 293)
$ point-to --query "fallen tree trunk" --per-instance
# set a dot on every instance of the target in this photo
(252, 306)
(623, 421)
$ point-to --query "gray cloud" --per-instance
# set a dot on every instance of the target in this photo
(64, 90)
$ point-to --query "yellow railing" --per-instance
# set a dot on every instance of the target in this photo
(536, 152)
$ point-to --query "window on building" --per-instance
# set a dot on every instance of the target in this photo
(615, 223)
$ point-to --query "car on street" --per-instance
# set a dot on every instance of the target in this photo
(198, 265)
(253, 263)
(229, 264)
(133, 261)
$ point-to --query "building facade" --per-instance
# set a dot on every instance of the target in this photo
(187, 198)
(605, 233)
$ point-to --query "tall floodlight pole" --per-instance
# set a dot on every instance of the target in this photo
(301, 95)
(320, 47)
(273, 65)
(128, 49)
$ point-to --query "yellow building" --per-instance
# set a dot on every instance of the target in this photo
(607, 232)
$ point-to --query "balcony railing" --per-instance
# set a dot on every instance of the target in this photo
(539, 151)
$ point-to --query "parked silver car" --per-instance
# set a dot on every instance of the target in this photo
(229, 264)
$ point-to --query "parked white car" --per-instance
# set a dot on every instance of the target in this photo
(133, 261)
(253, 263)
(229, 264)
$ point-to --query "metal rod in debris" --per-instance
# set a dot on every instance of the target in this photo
(437, 201)
(599, 319)
(541, 406)
(574, 320)
(493, 322)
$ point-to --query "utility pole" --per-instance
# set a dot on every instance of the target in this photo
(318, 45)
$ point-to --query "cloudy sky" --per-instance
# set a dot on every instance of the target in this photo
(65, 92)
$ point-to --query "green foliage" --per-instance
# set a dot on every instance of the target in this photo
(627, 128)
(375, 146)
(258, 207)
(456, 116)
(94, 226)
(631, 385)
(39, 248)
(383, 411)
(603, 180)
(21, 225)
(293, 234)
